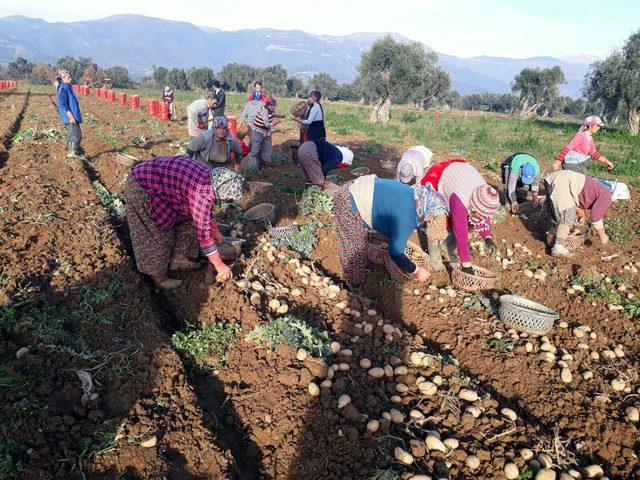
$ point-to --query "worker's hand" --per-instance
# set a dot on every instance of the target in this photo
(490, 244)
(236, 167)
(72, 119)
(608, 163)
(421, 275)
(515, 208)
(202, 125)
(468, 270)
(604, 238)
(556, 165)
(276, 122)
(535, 201)
(224, 273)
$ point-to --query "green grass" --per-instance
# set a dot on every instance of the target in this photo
(619, 229)
(10, 467)
(198, 346)
(294, 332)
(501, 345)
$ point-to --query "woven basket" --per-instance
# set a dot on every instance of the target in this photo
(526, 315)
(260, 186)
(482, 279)
(230, 248)
(377, 254)
(299, 108)
(572, 242)
(415, 254)
(284, 233)
(360, 172)
(262, 215)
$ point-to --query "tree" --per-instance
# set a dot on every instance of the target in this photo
(575, 108)
(93, 76)
(19, 68)
(452, 99)
(119, 77)
(274, 79)
(295, 87)
(201, 78)
(536, 86)
(236, 76)
(75, 67)
(160, 76)
(347, 91)
(615, 81)
(42, 74)
(389, 70)
(177, 79)
(325, 83)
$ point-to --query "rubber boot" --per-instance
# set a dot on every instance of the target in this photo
(450, 251)
(435, 257)
(73, 151)
(165, 283)
(69, 150)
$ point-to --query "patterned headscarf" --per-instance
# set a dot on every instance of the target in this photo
(271, 102)
(220, 121)
(227, 184)
(429, 202)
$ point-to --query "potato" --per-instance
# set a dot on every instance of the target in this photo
(377, 372)
(402, 456)
(373, 426)
(526, 453)
(594, 471)
(566, 376)
(545, 474)
(335, 347)
(511, 471)
(149, 442)
(434, 443)
(314, 390)
(396, 416)
(472, 462)
(632, 414)
(428, 388)
(302, 354)
(451, 443)
(510, 414)
(468, 395)
(365, 363)
(343, 401)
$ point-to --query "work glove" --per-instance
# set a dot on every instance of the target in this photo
(490, 244)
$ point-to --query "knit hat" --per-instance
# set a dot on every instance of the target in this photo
(527, 173)
(484, 200)
(227, 184)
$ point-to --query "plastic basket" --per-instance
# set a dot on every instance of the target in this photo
(526, 315)
(262, 215)
(360, 172)
(377, 254)
(415, 254)
(482, 279)
(260, 186)
(572, 242)
(284, 233)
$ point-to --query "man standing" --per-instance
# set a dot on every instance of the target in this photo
(198, 114)
(69, 112)
(257, 93)
(218, 111)
(167, 97)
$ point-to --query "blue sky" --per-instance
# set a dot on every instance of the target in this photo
(465, 28)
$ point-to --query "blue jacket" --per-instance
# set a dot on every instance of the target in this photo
(68, 102)
(329, 155)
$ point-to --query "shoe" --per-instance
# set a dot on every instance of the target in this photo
(561, 251)
(166, 283)
(72, 152)
(184, 264)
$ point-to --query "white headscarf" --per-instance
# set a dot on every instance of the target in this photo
(414, 163)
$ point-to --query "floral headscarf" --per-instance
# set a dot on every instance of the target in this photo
(429, 202)
(227, 184)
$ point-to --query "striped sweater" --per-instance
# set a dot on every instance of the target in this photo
(262, 121)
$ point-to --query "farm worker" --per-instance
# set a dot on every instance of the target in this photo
(167, 97)
(517, 170)
(381, 204)
(413, 164)
(301, 110)
(569, 191)
(221, 99)
(69, 112)
(469, 200)
(169, 204)
(315, 117)
(248, 115)
(216, 147)
(261, 136)
(433, 210)
(317, 159)
(257, 93)
(198, 114)
(576, 153)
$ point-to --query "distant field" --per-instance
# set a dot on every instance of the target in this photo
(484, 137)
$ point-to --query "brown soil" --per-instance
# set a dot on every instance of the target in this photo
(254, 417)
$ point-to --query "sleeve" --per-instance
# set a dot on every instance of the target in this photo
(236, 148)
(593, 153)
(201, 206)
(397, 245)
(63, 100)
(196, 144)
(483, 228)
(222, 99)
(459, 215)
(512, 185)
(244, 114)
(192, 114)
(562, 154)
(535, 186)
(601, 204)
(314, 113)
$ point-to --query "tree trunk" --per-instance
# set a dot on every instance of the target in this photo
(380, 112)
(633, 121)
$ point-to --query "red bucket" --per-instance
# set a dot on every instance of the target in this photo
(123, 98)
(149, 106)
(134, 102)
(233, 125)
(1, 84)
(164, 112)
(155, 103)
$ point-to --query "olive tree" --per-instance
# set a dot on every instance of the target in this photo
(390, 69)
(615, 82)
(325, 84)
(537, 86)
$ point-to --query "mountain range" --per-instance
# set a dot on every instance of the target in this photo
(139, 43)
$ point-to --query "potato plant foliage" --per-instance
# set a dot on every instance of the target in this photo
(294, 332)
